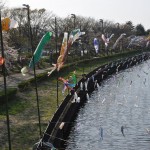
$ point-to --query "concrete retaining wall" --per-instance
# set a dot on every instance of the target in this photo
(68, 110)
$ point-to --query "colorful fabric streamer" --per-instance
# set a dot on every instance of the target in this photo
(106, 40)
(1, 61)
(63, 52)
(38, 52)
(147, 43)
(11, 56)
(148, 38)
(117, 41)
(8, 24)
(74, 78)
(96, 45)
(138, 41)
(66, 83)
(74, 35)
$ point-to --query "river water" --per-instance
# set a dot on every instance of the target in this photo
(121, 100)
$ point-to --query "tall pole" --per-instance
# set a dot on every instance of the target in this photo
(5, 86)
(118, 25)
(31, 42)
(56, 37)
(74, 18)
(74, 21)
(56, 34)
(102, 23)
(101, 20)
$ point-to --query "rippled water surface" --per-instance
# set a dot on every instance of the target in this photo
(122, 100)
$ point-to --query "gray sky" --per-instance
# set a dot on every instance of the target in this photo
(137, 11)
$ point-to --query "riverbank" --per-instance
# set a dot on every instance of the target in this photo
(23, 109)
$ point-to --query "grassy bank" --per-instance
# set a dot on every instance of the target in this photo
(23, 108)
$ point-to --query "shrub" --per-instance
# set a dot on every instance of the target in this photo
(11, 92)
(23, 85)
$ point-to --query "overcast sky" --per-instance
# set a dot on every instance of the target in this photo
(137, 11)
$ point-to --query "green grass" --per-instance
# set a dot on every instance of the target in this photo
(15, 107)
(23, 108)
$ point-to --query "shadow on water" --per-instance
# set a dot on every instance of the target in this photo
(122, 100)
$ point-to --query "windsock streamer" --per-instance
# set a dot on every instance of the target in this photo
(96, 45)
(147, 43)
(104, 40)
(8, 24)
(38, 52)
(77, 35)
(111, 37)
(13, 24)
(74, 35)
(138, 41)
(117, 41)
(74, 78)
(148, 38)
(67, 84)
(107, 40)
(25, 70)
(63, 52)
(1, 61)
(131, 41)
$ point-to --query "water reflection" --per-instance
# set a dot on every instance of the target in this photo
(121, 100)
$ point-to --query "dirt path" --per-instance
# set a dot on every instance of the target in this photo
(14, 79)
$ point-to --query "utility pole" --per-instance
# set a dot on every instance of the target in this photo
(56, 38)
(102, 23)
(102, 30)
(5, 86)
(74, 18)
(56, 34)
(31, 42)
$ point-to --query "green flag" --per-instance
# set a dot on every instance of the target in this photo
(38, 52)
(74, 78)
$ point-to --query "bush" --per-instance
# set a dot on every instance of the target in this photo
(23, 85)
(11, 92)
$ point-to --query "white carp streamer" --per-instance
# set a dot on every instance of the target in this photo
(106, 40)
(140, 41)
(117, 41)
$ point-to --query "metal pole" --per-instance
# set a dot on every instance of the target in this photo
(57, 89)
(101, 20)
(74, 17)
(5, 86)
(118, 26)
(56, 36)
(74, 21)
(31, 42)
